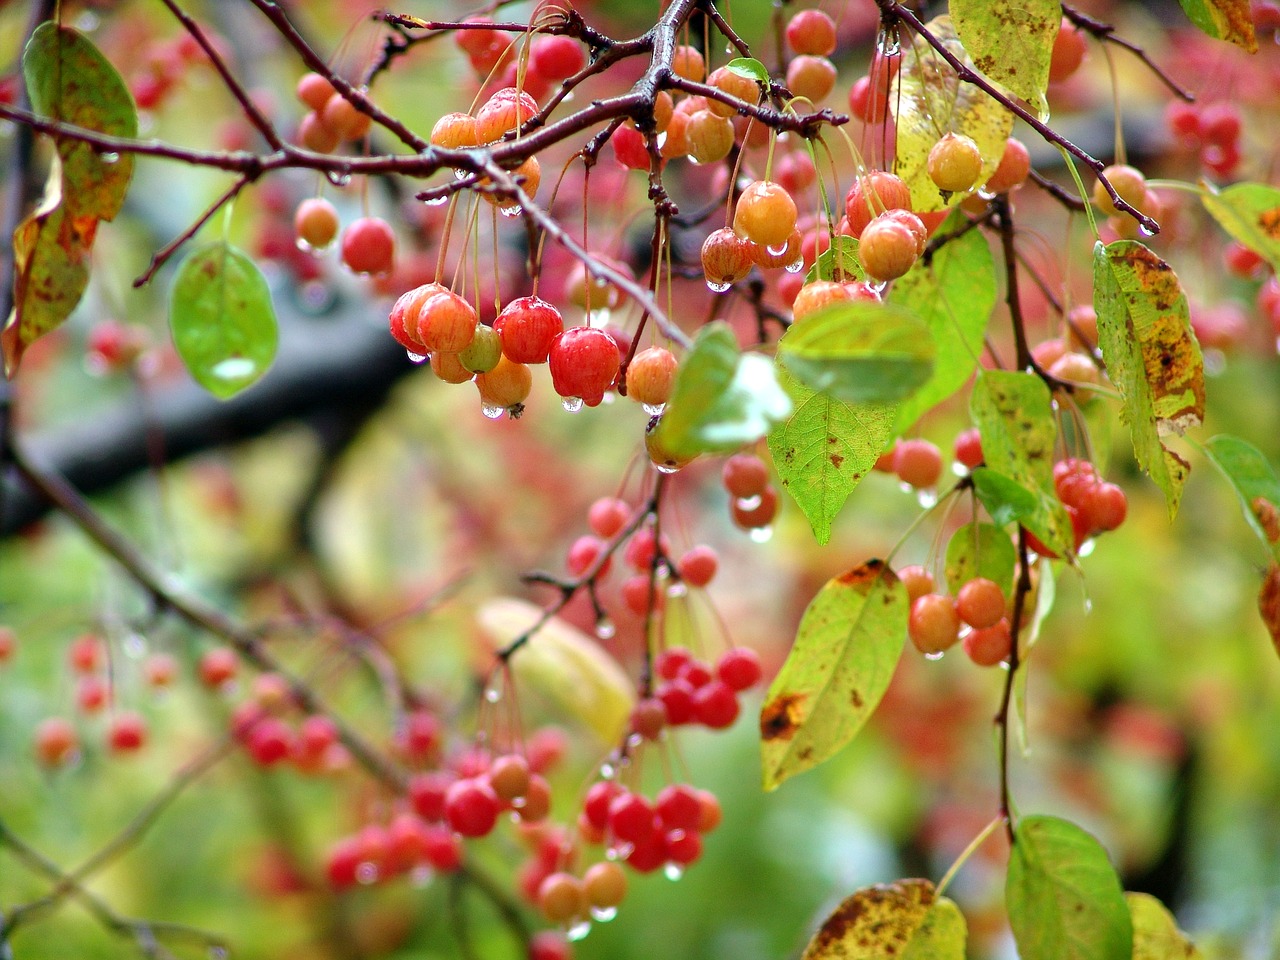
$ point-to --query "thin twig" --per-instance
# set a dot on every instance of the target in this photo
(161, 256)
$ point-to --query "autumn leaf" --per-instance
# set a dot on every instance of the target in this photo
(1229, 20)
(904, 919)
(1011, 41)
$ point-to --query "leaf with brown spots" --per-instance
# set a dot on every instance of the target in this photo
(1254, 481)
(1011, 42)
(1269, 603)
(846, 648)
(1229, 20)
(1250, 213)
(824, 449)
(1155, 933)
(1144, 330)
(51, 271)
(929, 101)
(1064, 899)
(70, 80)
(904, 920)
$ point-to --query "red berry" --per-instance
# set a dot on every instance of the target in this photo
(697, 567)
(629, 148)
(683, 847)
(1220, 124)
(1068, 52)
(8, 641)
(696, 673)
(1103, 507)
(991, 645)
(92, 693)
(710, 137)
(980, 603)
(1013, 169)
(631, 818)
(607, 516)
(218, 667)
(1183, 120)
(55, 742)
(549, 945)
(744, 476)
(502, 113)
(419, 735)
(441, 848)
(471, 807)
(867, 103)
(584, 362)
(446, 323)
(715, 705)
(343, 862)
(557, 57)
(969, 448)
(583, 552)
(758, 516)
(427, 792)
(368, 245)
(677, 698)
(316, 734)
(641, 596)
(917, 463)
(1243, 262)
(127, 732)
(812, 31)
(270, 741)
(651, 376)
(344, 118)
(671, 662)
(648, 718)
(934, 624)
(739, 668)
(887, 249)
(595, 807)
(917, 580)
(679, 807)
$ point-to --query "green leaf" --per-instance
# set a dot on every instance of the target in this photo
(1063, 896)
(69, 80)
(904, 919)
(930, 100)
(1155, 933)
(980, 550)
(1250, 213)
(1010, 41)
(50, 272)
(859, 352)
(223, 324)
(750, 68)
(722, 398)
(1005, 500)
(838, 261)
(1229, 20)
(954, 294)
(1253, 478)
(845, 651)
(825, 448)
(1015, 418)
(1152, 356)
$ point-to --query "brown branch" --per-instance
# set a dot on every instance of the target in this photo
(1106, 33)
(161, 256)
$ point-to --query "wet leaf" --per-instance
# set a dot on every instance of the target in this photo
(825, 448)
(51, 272)
(930, 101)
(1250, 213)
(1015, 418)
(69, 80)
(1229, 20)
(563, 664)
(860, 352)
(1155, 933)
(1152, 356)
(954, 294)
(845, 651)
(1005, 500)
(838, 261)
(1063, 896)
(904, 919)
(223, 323)
(1255, 482)
(1010, 41)
(722, 398)
(980, 550)
(750, 68)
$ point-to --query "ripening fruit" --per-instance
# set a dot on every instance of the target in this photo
(314, 91)
(557, 56)
(871, 196)
(549, 945)
(455, 131)
(697, 566)
(605, 884)
(607, 516)
(867, 103)
(449, 368)
(218, 667)
(314, 135)
(734, 84)
(955, 163)
(343, 117)
(1103, 506)
(126, 733)
(687, 62)
(887, 249)
(811, 77)
(316, 222)
(403, 319)
(55, 742)
(446, 322)
(584, 362)
(814, 296)
(791, 254)
(483, 352)
(507, 385)
(758, 516)
(651, 376)
(726, 258)
(812, 32)
(1014, 167)
(368, 245)
(471, 807)
(980, 603)
(502, 113)
(739, 668)
(745, 476)
(913, 223)
(509, 776)
(710, 137)
(918, 463)
(527, 326)
(917, 580)
(87, 654)
(934, 625)
(765, 214)
(1068, 52)
(968, 449)
(660, 456)
(1128, 182)
(583, 552)
(7, 643)
(991, 645)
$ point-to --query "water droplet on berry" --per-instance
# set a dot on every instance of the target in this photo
(673, 871)
(718, 287)
(654, 409)
(367, 873)
(338, 179)
(889, 45)
(761, 534)
(677, 589)
(436, 201)
(492, 411)
(935, 656)
(572, 404)
(877, 286)
(927, 498)
(1086, 548)
(603, 914)
(492, 695)
(578, 930)
(109, 157)
(415, 357)
(667, 468)
(747, 503)
(511, 211)
(605, 629)
(795, 266)
(777, 249)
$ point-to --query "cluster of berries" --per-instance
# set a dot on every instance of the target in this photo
(332, 119)
(1213, 129)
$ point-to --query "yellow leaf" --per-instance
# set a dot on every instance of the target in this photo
(903, 919)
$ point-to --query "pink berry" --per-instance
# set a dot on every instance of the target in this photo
(739, 668)
(698, 566)
(368, 245)
(472, 807)
(584, 362)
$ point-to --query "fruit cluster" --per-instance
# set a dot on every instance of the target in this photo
(1212, 129)
(332, 119)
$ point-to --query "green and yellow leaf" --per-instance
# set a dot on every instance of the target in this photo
(1010, 41)
(906, 919)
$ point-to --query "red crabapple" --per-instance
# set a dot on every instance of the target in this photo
(55, 742)
(218, 666)
(651, 376)
(934, 624)
(744, 475)
(758, 516)
(887, 249)
(368, 245)
(697, 566)
(968, 448)
(872, 195)
(917, 463)
(991, 645)
(726, 258)
(584, 362)
(127, 732)
(1013, 169)
(811, 32)
(527, 326)
(739, 668)
(1068, 52)
(314, 91)
(607, 516)
(917, 580)
(980, 603)
(471, 807)
(87, 654)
